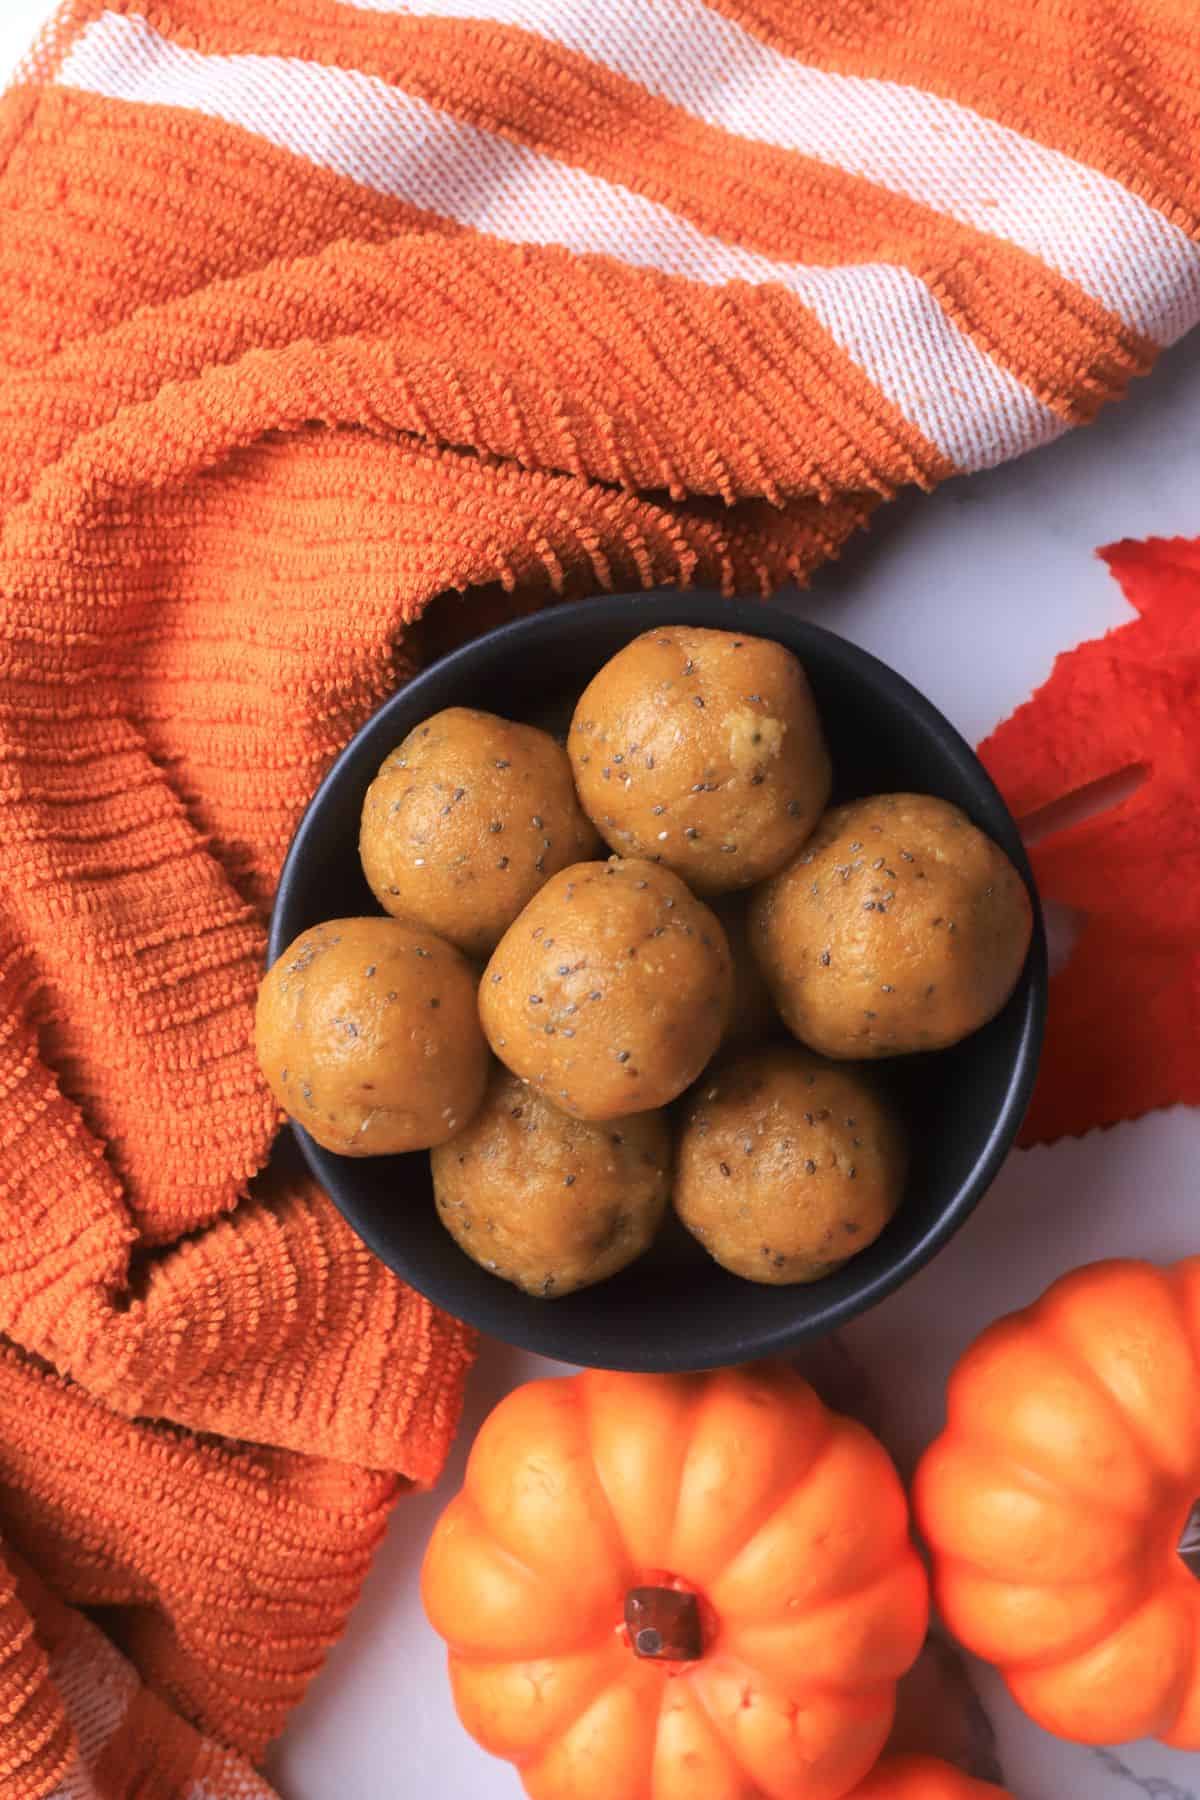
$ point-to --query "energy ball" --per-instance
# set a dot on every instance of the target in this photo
(368, 1034)
(899, 927)
(548, 1202)
(786, 1166)
(465, 821)
(702, 750)
(752, 1017)
(611, 991)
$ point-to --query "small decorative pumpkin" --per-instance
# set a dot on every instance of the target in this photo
(923, 1778)
(1062, 1504)
(666, 1587)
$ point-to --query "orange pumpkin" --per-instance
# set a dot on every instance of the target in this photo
(923, 1778)
(1061, 1504)
(673, 1587)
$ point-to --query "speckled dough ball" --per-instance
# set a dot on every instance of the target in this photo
(465, 821)
(899, 927)
(368, 1034)
(702, 750)
(786, 1165)
(752, 1017)
(611, 991)
(548, 1202)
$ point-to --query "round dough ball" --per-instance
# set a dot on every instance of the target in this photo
(899, 927)
(702, 750)
(465, 821)
(368, 1033)
(787, 1166)
(548, 1202)
(753, 1017)
(611, 991)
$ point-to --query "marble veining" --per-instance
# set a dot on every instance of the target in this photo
(1155, 1786)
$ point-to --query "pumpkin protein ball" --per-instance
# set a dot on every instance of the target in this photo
(786, 1166)
(899, 927)
(752, 1017)
(465, 821)
(549, 1202)
(611, 991)
(702, 750)
(368, 1035)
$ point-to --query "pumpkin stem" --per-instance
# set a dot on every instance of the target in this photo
(664, 1624)
(1188, 1547)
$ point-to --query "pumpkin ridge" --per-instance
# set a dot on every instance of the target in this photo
(850, 1597)
(1173, 1278)
(961, 1422)
(969, 1434)
(768, 1502)
(605, 1678)
(857, 1696)
(720, 1727)
(697, 1700)
(1042, 1316)
(1193, 1668)
(1013, 1672)
(587, 1433)
(465, 1502)
(772, 1505)
(862, 1699)
(782, 1500)
(1053, 1658)
(546, 1750)
(695, 1406)
(691, 1406)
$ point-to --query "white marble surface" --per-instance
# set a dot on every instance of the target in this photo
(971, 592)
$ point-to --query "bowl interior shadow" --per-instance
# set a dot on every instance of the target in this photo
(675, 1308)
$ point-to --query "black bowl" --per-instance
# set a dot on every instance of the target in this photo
(675, 1308)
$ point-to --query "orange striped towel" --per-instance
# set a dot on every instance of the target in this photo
(312, 313)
